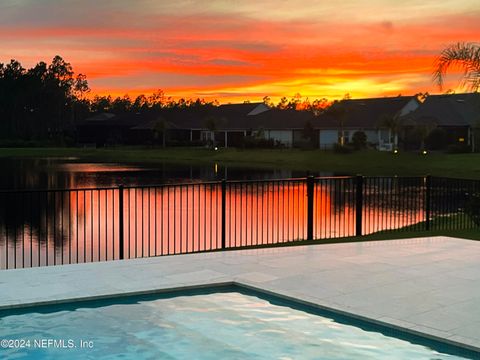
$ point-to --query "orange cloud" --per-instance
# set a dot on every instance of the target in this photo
(234, 54)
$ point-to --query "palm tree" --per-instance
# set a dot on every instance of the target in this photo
(393, 123)
(338, 110)
(211, 123)
(160, 127)
(464, 55)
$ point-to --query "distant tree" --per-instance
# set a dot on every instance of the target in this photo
(80, 86)
(38, 102)
(318, 106)
(309, 132)
(211, 123)
(122, 105)
(61, 73)
(475, 139)
(436, 139)
(260, 133)
(268, 101)
(393, 123)
(141, 103)
(295, 102)
(11, 98)
(102, 103)
(472, 207)
(60, 84)
(80, 105)
(339, 110)
(422, 130)
(157, 99)
(283, 103)
(160, 129)
(359, 140)
(464, 55)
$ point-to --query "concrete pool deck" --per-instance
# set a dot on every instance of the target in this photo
(428, 286)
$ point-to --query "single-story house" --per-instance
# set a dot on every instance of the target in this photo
(383, 120)
(364, 115)
(227, 125)
(102, 129)
(457, 114)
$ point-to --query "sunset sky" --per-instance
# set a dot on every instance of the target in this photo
(236, 50)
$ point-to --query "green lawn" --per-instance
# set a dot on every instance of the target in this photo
(363, 162)
(469, 234)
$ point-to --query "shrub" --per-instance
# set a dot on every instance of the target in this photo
(250, 142)
(458, 149)
(339, 149)
(472, 208)
(7, 143)
(359, 140)
(437, 139)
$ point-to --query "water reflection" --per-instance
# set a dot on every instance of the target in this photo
(56, 227)
(68, 173)
(39, 228)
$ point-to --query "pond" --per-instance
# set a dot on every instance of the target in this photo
(52, 227)
(73, 173)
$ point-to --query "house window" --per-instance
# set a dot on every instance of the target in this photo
(207, 135)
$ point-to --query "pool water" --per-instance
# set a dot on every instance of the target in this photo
(219, 325)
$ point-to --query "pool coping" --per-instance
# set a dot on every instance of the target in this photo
(295, 298)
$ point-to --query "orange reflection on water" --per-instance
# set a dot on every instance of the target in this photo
(84, 225)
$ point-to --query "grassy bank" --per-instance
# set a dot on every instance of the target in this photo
(363, 162)
(470, 234)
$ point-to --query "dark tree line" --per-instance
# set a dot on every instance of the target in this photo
(297, 102)
(40, 102)
(45, 102)
(143, 103)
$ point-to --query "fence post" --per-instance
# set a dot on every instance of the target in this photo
(358, 205)
(224, 209)
(428, 187)
(310, 199)
(120, 223)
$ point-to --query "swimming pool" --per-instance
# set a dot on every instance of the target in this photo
(205, 324)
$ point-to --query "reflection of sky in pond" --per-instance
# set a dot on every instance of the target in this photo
(97, 167)
(59, 173)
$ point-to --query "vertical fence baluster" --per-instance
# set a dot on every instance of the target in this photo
(428, 181)
(120, 223)
(359, 205)
(310, 181)
(224, 205)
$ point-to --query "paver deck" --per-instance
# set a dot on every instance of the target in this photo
(423, 285)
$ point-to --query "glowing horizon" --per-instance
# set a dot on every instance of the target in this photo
(237, 51)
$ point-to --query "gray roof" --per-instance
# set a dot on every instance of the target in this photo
(449, 110)
(446, 110)
(364, 113)
(276, 119)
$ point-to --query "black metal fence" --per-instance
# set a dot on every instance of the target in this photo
(51, 227)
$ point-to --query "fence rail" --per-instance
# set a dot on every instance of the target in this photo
(51, 227)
